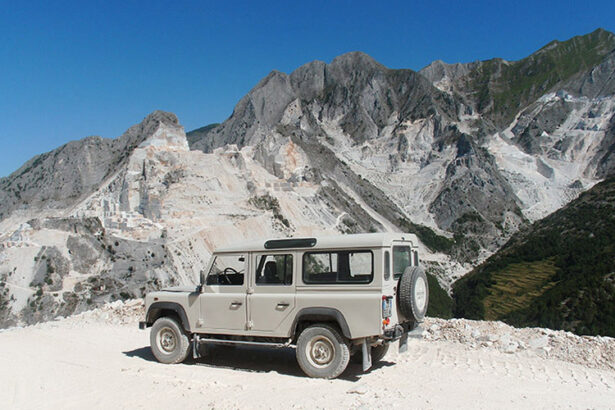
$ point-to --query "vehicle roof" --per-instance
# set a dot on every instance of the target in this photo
(363, 240)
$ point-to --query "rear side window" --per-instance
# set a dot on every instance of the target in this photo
(402, 258)
(275, 270)
(387, 265)
(338, 267)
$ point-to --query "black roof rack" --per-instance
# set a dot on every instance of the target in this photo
(291, 243)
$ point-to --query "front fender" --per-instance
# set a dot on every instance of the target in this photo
(158, 309)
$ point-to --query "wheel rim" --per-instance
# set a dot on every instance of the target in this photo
(420, 293)
(166, 340)
(320, 351)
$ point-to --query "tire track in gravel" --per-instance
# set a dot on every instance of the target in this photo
(511, 365)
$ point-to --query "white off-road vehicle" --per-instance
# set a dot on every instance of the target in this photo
(328, 297)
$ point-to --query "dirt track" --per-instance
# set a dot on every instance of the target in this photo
(97, 361)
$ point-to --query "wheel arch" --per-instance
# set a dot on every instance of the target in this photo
(160, 309)
(320, 314)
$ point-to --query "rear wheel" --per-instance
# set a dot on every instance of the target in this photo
(378, 352)
(169, 343)
(322, 352)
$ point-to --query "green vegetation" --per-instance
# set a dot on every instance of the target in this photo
(557, 273)
(516, 285)
(440, 303)
(126, 295)
(432, 240)
(4, 300)
(511, 86)
(269, 203)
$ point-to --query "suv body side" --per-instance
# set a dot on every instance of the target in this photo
(268, 310)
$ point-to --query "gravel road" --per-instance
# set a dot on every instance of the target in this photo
(102, 360)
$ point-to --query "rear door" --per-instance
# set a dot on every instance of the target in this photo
(271, 297)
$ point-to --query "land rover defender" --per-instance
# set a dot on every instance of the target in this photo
(328, 297)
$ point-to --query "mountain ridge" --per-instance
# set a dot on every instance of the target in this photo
(348, 146)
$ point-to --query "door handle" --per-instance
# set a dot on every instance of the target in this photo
(236, 304)
(283, 305)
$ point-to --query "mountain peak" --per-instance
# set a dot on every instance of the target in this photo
(160, 116)
(356, 58)
(162, 130)
(274, 82)
(439, 72)
(146, 128)
(273, 75)
(599, 42)
(601, 33)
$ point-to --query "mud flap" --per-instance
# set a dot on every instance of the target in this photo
(196, 354)
(403, 343)
(367, 356)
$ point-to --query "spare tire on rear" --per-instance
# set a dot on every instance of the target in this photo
(413, 294)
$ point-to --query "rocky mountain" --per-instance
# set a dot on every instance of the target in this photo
(149, 218)
(557, 273)
(386, 138)
(59, 179)
(464, 155)
(500, 89)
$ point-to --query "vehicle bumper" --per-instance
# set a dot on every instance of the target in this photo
(396, 332)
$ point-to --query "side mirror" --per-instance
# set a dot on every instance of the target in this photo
(199, 288)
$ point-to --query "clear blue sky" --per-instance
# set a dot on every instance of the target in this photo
(73, 69)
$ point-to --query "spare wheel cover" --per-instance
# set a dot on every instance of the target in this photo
(413, 294)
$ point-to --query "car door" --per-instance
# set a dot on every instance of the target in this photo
(223, 301)
(271, 298)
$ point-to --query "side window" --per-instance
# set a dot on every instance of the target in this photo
(227, 270)
(274, 270)
(387, 265)
(402, 258)
(338, 267)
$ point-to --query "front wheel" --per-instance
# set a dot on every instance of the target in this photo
(322, 352)
(169, 343)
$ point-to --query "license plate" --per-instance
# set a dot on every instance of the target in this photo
(387, 307)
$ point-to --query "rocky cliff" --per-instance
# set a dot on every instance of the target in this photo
(464, 152)
(464, 155)
(150, 217)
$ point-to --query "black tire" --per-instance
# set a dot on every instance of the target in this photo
(413, 294)
(322, 352)
(378, 352)
(169, 343)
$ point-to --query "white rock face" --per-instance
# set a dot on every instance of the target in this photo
(564, 164)
(188, 202)
(412, 183)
